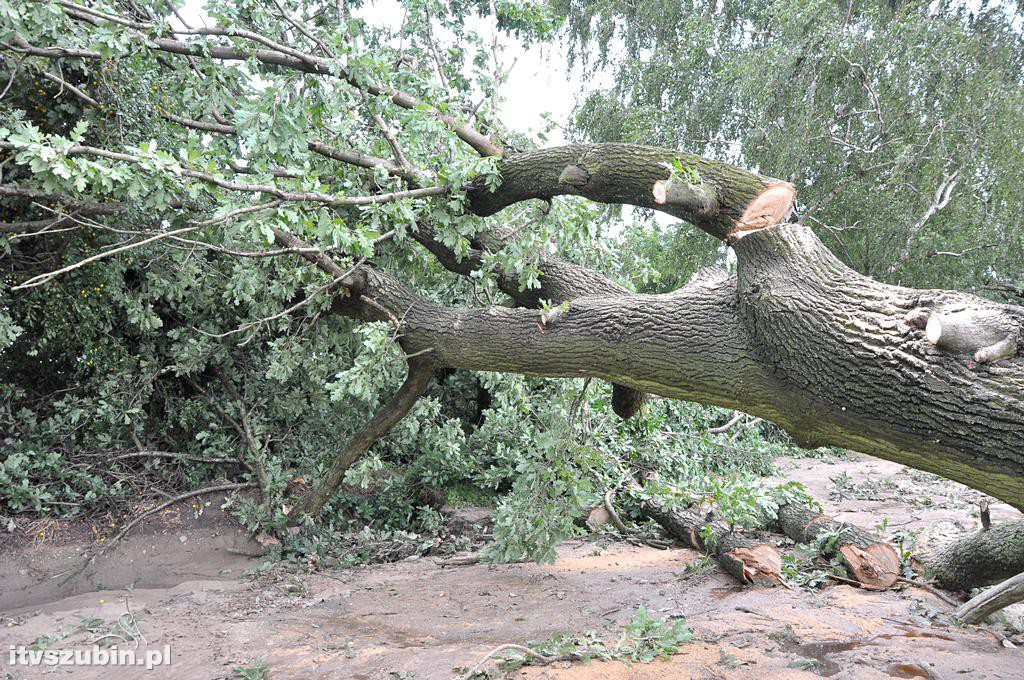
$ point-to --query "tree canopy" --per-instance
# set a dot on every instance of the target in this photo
(898, 122)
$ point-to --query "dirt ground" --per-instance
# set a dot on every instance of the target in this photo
(416, 619)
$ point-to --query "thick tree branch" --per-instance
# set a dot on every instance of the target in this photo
(623, 173)
(848, 367)
(982, 558)
(416, 383)
(983, 605)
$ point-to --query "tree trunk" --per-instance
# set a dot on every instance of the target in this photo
(983, 558)
(796, 338)
(870, 559)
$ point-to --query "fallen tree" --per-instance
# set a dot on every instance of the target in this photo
(796, 338)
(929, 378)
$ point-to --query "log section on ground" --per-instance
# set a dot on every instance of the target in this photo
(870, 559)
(980, 559)
(747, 559)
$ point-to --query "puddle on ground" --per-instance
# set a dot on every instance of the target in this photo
(817, 655)
(914, 633)
(906, 670)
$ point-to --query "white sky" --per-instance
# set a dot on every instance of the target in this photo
(538, 82)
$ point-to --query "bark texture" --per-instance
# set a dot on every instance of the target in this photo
(843, 337)
(870, 559)
(625, 173)
(979, 559)
(796, 338)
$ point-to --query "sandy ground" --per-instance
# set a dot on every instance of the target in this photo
(419, 620)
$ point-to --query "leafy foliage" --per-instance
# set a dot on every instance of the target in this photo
(163, 357)
(257, 670)
(645, 639)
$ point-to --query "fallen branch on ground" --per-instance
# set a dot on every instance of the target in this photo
(746, 559)
(931, 589)
(980, 607)
(168, 503)
(537, 656)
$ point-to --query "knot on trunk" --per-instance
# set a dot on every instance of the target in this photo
(575, 176)
(986, 335)
(626, 401)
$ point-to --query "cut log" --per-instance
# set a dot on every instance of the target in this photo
(980, 607)
(770, 207)
(870, 559)
(983, 558)
(746, 559)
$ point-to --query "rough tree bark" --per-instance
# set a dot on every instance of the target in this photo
(980, 559)
(795, 337)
